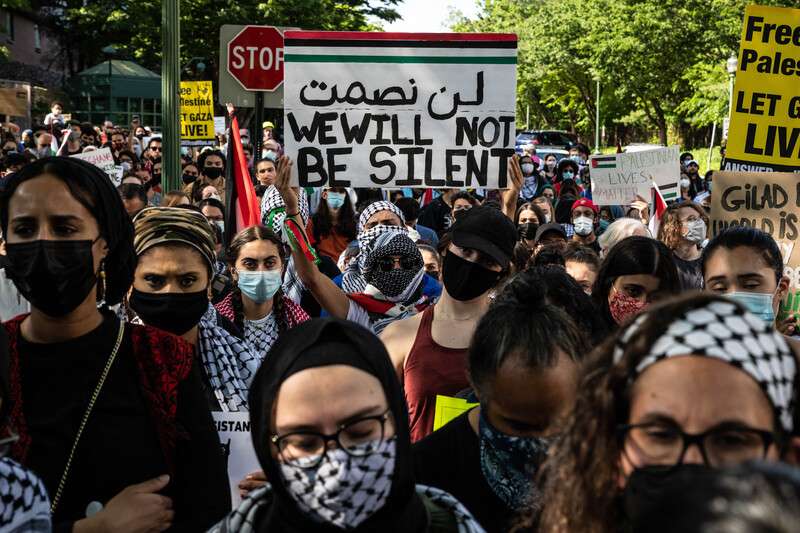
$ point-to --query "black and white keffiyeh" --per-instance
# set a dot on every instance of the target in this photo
(353, 277)
(377, 207)
(24, 505)
(397, 285)
(229, 363)
(292, 286)
(727, 332)
(260, 335)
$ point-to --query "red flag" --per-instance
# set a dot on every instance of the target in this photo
(427, 196)
(619, 147)
(659, 205)
(241, 201)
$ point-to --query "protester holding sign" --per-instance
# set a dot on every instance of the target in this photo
(683, 228)
(140, 453)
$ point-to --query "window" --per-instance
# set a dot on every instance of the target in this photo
(10, 26)
(37, 40)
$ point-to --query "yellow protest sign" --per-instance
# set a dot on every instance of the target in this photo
(197, 110)
(448, 408)
(769, 201)
(764, 131)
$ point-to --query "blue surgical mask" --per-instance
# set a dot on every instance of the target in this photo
(709, 185)
(575, 158)
(567, 175)
(604, 223)
(758, 303)
(335, 200)
(260, 285)
(510, 464)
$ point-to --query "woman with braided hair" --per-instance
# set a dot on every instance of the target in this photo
(257, 306)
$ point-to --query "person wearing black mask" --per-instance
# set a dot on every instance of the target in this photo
(136, 449)
(153, 185)
(528, 218)
(212, 172)
(172, 291)
(331, 380)
(522, 367)
(428, 349)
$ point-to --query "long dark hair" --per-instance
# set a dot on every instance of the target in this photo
(257, 233)
(346, 223)
(632, 256)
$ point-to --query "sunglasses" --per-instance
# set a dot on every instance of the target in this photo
(386, 264)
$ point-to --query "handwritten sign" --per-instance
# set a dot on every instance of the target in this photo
(197, 110)
(104, 160)
(219, 125)
(399, 110)
(237, 446)
(769, 201)
(764, 129)
(618, 178)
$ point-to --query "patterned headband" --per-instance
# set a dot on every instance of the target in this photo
(377, 207)
(725, 331)
(164, 225)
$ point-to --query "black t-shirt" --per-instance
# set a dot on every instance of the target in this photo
(436, 215)
(449, 459)
(689, 274)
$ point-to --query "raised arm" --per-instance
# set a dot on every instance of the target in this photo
(329, 296)
(510, 195)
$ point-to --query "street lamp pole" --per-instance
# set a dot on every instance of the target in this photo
(731, 65)
(597, 122)
(170, 92)
(109, 51)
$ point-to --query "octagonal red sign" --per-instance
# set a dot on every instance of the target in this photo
(255, 58)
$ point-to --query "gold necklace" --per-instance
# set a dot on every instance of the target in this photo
(97, 389)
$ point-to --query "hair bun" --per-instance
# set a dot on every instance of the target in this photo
(526, 293)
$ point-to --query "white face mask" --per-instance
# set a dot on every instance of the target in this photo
(685, 183)
(527, 168)
(696, 231)
(551, 164)
(221, 225)
(583, 225)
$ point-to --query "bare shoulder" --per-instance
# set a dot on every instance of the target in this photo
(399, 336)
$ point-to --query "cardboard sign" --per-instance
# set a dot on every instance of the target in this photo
(104, 160)
(765, 114)
(234, 435)
(219, 125)
(769, 201)
(618, 178)
(398, 110)
(448, 408)
(197, 110)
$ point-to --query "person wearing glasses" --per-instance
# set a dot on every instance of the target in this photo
(328, 425)
(383, 284)
(694, 383)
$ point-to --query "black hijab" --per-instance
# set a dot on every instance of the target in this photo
(93, 189)
(323, 342)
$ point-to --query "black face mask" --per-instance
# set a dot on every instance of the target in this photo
(649, 487)
(54, 276)
(155, 180)
(528, 230)
(212, 173)
(465, 280)
(175, 312)
(188, 178)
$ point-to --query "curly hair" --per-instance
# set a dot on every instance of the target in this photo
(257, 233)
(669, 232)
(346, 223)
(583, 471)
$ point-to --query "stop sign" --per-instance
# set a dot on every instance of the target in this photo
(255, 58)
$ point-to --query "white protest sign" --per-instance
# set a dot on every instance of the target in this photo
(219, 125)
(399, 110)
(237, 446)
(618, 178)
(104, 160)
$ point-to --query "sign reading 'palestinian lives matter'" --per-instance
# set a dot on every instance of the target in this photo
(764, 131)
(399, 110)
(618, 178)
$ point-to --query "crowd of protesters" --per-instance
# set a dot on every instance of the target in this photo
(611, 377)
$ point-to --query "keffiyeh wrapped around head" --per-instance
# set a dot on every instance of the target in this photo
(397, 285)
(728, 332)
(165, 225)
(377, 207)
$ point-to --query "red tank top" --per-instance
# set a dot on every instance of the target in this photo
(430, 369)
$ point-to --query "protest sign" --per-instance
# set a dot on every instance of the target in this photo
(769, 201)
(219, 125)
(764, 131)
(104, 160)
(399, 110)
(448, 408)
(197, 110)
(618, 178)
(237, 447)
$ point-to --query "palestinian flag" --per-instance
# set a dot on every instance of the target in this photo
(608, 161)
(241, 202)
(659, 205)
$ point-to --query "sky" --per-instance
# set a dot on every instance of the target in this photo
(427, 15)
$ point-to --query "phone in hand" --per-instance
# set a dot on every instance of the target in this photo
(135, 118)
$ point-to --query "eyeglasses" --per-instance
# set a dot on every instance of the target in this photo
(553, 242)
(359, 438)
(155, 148)
(665, 445)
(386, 264)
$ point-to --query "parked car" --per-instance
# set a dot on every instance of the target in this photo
(554, 138)
(641, 147)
